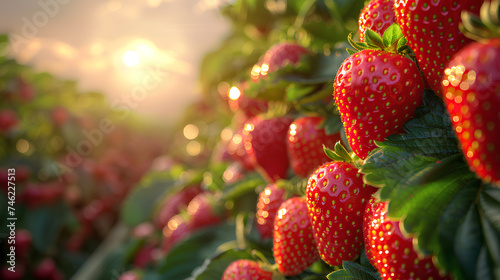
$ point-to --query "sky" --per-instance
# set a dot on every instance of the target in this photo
(142, 53)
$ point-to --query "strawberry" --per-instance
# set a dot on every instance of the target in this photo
(278, 56)
(236, 149)
(203, 211)
(378, 15)
(431, 28)
(471, 89)
(8, 119)
(294, 247)
(336, 198)
(129, 275)
(265, 143)
(175, 231)
(305, 144)
(239, 101)
(270, 200)
(377, 89)
(376, 93)
(246, 270)
(174, 203)
(389, 251)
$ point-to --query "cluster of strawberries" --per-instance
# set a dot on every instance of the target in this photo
(404, 47)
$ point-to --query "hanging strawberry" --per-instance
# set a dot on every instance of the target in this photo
(377, 89)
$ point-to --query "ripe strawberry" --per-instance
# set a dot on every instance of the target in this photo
(270, 200)
(278, 56)
(18, 274)
(246, 270)
(389, 251)
(203, 211)
(336, 198)
(376, 93)
(431, 28)
(239, 101)
(129, 275)
(265, 143)
(175, 231)
(45, 270)
(294, 247)
(378, 15)
(8, 119)
(471, 88)
(236, 149)
(305, 145)
(174, 203)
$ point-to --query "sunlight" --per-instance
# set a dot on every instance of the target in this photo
(131, 58)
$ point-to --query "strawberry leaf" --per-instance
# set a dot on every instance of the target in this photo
(431, 189)
(214, 267)
(392, 35)
(332, 125)
(353, 270)
(373, 39)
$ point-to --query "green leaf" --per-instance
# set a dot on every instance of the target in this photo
(214, 267)
(430, 132)
(45, 223)
(372, 38)
(489, 206)
(392, 34)
(192, 252)
(353, 270)
(139, 204)
(332, 124)
(241, 188)
(468, 245)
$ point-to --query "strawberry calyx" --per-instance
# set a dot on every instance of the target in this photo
(486, 26)
(391, 41)
(266, 265)
(339, 153)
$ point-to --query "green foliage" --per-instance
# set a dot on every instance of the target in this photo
(192, 252)
(46, 223)
(213, 268)
(146, 194)
(354, 270)
(429, 187)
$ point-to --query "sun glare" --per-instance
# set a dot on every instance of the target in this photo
(131, 58)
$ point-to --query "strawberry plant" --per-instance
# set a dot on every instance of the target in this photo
(269, 174)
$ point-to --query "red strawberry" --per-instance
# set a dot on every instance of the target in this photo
(18, 274)
(265, 143)
(336, 199)
(23, 243)
(203, 211)
(278, 56)
(174, 203)
(144, 256)
(305, 144)
(378, 15)
(236, 149)
(431, 28)
(8, 119)
(389, 251)
(376, 93)
(47, 270)
(238, 101)
(294, 247)
(471, 88)
(270, 200)
(175, 231)
(246, 270)
(129, 275)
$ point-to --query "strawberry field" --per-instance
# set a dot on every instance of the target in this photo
(334, 139)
